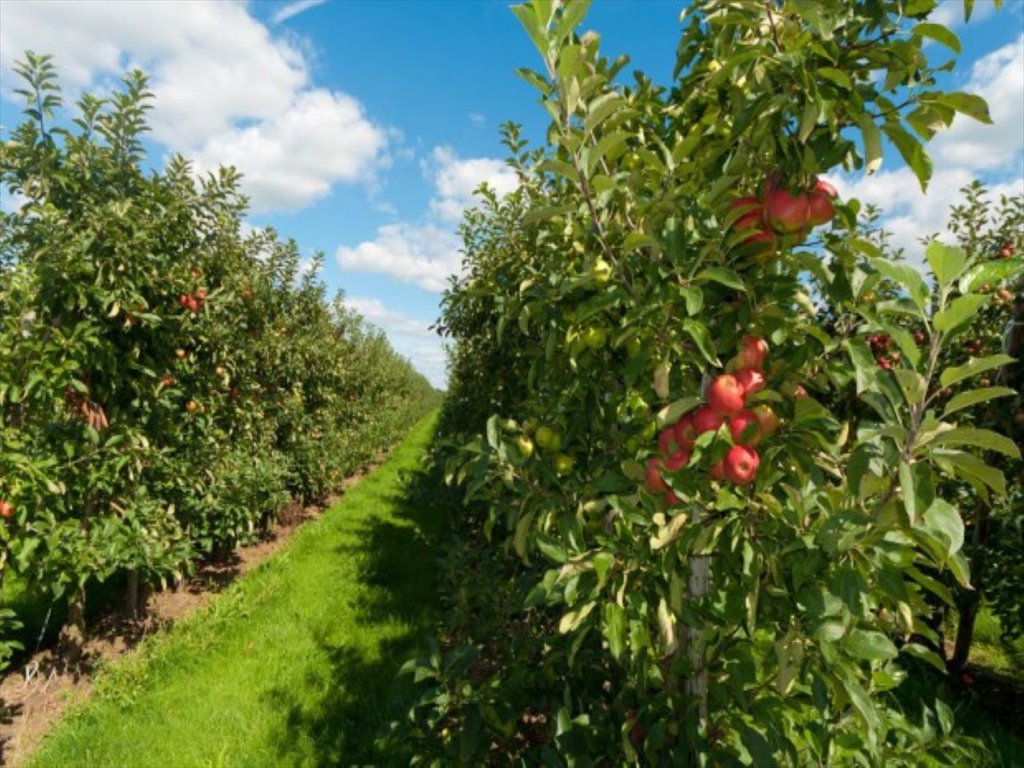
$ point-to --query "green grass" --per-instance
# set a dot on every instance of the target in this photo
(991, 651)
(296, 663)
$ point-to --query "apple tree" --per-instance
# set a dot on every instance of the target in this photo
(716, 565)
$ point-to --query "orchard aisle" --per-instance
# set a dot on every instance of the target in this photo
(297, 663)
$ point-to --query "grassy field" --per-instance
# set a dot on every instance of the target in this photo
(295, 664)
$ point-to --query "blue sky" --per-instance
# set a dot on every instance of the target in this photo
(363, 126)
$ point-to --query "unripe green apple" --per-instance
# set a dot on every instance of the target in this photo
(601, 272)
(595, 337)
(525, 445)
(549, 439)
(564, 463)
(633, 346)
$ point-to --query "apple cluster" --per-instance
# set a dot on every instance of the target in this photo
(726, 404)
(881, 348)
(194, 302)
(781, 214)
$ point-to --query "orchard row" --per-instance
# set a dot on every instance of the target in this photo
(167, 383)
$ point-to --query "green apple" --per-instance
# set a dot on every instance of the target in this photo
(633, 346)
(525, 446)
(601, 272)
(549, 439)
(564, 463)
(595, 337)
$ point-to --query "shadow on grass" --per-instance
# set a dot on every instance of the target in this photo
(346, 723)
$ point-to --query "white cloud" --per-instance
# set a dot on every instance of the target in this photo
(295, 158)
(456, 180)
(409, 336)
(422, 254)
(967, 151)
(220, 80)
(427, 253)
(294, 9)
(951, 12)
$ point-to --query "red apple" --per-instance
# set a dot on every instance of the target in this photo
(752, 354)
(820, 203)
(671, 499)
(751, 218)
(667, 441)
(183, 301)
(751, 380)
(192, 304)
(725, 395)
(705, 419)
(6, 508)
(741, 464)
(677, 461)
(745, 428)
(686, 432)
(764, 239)
(786, 213)
(1006, 252)
(652, 478)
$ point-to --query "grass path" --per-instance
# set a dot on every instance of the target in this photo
(296, 663)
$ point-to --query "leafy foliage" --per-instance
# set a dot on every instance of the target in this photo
(167, 381)
(756, 624)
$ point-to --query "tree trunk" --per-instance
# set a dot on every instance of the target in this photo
(965, 632)
(696, 685)
(72, 634)
(132, 594)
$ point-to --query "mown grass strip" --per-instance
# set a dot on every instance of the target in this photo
(296, 663)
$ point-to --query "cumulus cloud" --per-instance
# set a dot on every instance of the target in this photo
(457, 179)
(423, 254)
(428, 253)
(409, 336)
(220, 80)
(968, 150)
(294, 158)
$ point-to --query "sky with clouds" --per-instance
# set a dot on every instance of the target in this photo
(363, 127)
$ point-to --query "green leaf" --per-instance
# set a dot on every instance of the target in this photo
(942, 518)
(614, 629)
(872, 142)
(951, 376)
(700, 334)
(571, 621)
(912, 152)
(967, 104)
(947, 261)
(939, 34)
(724, 276)
(979, 438)
(925, 654)
(959, 312)
(671, 413)
(870, 646)
(537, 32)
(992, 272)
(975, 396)
(836, 76)
(907, 278)
(809, 120)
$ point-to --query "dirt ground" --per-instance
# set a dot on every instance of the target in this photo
(36, 693)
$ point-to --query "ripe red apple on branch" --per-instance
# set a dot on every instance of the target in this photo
(6, 508)
(725, 395)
